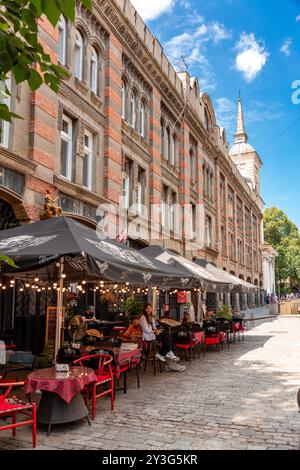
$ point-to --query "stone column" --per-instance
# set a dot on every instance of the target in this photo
(244, 301)
(236, 303)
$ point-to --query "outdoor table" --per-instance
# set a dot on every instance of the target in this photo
(62, 401)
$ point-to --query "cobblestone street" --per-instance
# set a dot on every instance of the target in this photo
(242, 398)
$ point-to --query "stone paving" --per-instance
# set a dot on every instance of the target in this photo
(241, 398)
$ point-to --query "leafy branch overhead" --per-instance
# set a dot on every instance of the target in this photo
(21, 53)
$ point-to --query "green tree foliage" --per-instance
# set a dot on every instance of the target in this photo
(283, 235)
(21, 54)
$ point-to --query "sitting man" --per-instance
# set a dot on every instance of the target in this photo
(134, 331)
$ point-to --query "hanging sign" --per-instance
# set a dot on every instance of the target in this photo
(182, 297)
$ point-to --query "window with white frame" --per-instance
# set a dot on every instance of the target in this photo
(87, 180)
(78, 66)
(141, 187)
(143, 119)
(62, 40)
(66, 152)
(127, 184)
(94, 71)
(133, 110)
(5, 88)
(173, 150)
(173, 212)
(208, 231)
(165, 207)
(162, 136)
(124, 100)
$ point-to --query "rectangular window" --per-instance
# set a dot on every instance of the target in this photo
(173, 212)
(194, 221)
(208, 231)
(88, 160)
(62, 40)
(222, 194)
(141, 186)
(240, 252)
(232, 247)
(165, 208)
(223, 240)
(247, 222)
(5, 98)
(66, 152)
(127, 184)
(230, 202)
(239, 209)
(254, 228)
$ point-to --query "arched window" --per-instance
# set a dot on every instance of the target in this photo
(78, 66)
(94, 71)
(168, 149)
(133, 110)
(173, 150)
(162, 136)
(124, 100)
(143, 119)
(62, 40)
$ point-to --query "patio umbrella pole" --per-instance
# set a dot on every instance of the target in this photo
(59, 306)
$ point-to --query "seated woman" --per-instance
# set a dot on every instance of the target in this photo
(134, 331)
(151, 333)
(186, 318)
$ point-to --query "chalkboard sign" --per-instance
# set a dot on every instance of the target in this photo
(51, 322)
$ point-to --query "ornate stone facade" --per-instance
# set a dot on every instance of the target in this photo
(168, 133)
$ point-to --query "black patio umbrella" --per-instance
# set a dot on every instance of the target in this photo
(41, 247)
(208, 281)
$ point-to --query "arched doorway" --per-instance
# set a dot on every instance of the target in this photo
(8, 218)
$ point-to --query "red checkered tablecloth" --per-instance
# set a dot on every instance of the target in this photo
(66, 385)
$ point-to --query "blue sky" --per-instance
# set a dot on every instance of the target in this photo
(247, 45)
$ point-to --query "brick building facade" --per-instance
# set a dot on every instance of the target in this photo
(126, 124)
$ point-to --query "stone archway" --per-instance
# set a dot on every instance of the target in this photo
(13, 208)
(8, 217)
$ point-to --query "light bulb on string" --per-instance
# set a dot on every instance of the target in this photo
(36, 279)
(84, 282)
(63, 276)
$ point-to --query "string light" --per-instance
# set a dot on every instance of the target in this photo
(36, 279)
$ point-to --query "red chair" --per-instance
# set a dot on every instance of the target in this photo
(213, 340)
(188, 346)
(10, 407)
(199, 338)
(104, 375)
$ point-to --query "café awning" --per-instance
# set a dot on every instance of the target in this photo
(240, 284)
(210, 282)
(38, 248)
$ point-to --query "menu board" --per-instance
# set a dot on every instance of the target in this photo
(51, 322)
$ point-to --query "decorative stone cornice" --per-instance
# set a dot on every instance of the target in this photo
(82, 104)
(17, 162)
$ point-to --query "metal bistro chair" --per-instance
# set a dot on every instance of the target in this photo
(103, 370)
(11, 407)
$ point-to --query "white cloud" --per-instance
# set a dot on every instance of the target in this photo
(286, 47)
(149, 10)
(251, 58)
(298, 18)
(191, 45)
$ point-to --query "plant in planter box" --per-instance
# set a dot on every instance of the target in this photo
(224, 312)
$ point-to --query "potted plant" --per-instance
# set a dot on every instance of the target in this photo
(224, 313)
(46, 358)
(132, 308)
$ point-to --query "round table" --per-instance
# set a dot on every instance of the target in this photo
(62, 401)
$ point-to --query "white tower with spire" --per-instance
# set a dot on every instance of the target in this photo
(244, 155)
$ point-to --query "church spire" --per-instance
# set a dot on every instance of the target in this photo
(240, 135)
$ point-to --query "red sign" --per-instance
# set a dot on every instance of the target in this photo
(181, 297)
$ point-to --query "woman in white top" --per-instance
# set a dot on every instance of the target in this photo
(151, 333)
